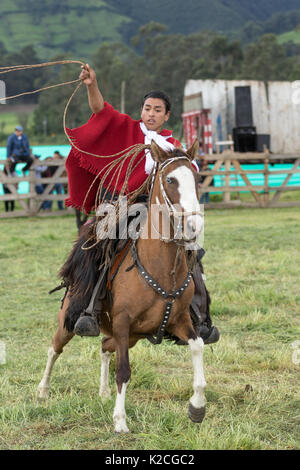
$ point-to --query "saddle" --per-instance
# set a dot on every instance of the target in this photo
(90, 318)
(88, 324)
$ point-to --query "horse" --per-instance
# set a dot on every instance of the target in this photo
(156, 271)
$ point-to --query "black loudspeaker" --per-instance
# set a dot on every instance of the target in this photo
(244, 139)
(243, 106)
(261, 140)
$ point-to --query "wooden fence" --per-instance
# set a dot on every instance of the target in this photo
(31, 202)
(226, 165)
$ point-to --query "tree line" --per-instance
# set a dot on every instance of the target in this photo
(278, 23)
(156, 60)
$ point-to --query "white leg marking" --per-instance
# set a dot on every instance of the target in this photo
(43, 388)
(104, 391)
(119, 415)
(198, 399)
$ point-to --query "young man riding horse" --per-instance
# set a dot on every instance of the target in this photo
(109, 132)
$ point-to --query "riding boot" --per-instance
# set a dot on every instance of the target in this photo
(199, 308)
(89, 320)
(86, 325)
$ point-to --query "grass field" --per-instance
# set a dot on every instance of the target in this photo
(8, 122)
(10, 118)
(252, 265)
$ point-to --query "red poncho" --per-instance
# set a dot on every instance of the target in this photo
(106, 133)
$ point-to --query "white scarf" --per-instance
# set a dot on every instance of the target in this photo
(162, 142)
(159, 140)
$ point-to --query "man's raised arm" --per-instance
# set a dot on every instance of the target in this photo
(95, 97)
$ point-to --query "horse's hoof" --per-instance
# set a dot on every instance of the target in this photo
(86, 326)
(120, 422)
(196, 414)
(121, 428)
(43, 393)
(105, 395)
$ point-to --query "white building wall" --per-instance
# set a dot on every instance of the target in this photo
(273, 110)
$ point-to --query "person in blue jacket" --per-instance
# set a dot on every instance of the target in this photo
(18, 149)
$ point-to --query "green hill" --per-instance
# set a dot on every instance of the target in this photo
(76, 28)
(289, 36)
(55, 27)
(190, 16)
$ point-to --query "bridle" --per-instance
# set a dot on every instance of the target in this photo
(169, 297)
(172, 212)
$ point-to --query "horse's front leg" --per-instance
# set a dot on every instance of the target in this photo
(108, 347)
(184, 330)
(121, 337)
(198, 400)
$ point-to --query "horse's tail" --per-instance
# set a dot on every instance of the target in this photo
(80, 273)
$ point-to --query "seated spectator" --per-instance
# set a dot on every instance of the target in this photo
(18, 149)
(57, 154)
(204, 199)
(58, 187)
(40, 171)
(9, 205)
(47, 205)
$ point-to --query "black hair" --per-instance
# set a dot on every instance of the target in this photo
(160, 95)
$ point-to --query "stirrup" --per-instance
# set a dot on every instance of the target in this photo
(86, 325)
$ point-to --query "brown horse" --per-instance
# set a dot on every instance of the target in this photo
(155, 272)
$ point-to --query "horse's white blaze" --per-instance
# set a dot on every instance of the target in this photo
(198, 399)
(188, 197)
(43, 387)
(104, 390)
(119, 411)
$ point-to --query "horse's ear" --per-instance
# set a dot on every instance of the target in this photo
(193, 150)
(158, 154)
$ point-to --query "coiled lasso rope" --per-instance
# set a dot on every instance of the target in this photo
(14, 68)
(117, 164)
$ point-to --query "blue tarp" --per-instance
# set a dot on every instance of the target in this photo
(258, 179)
